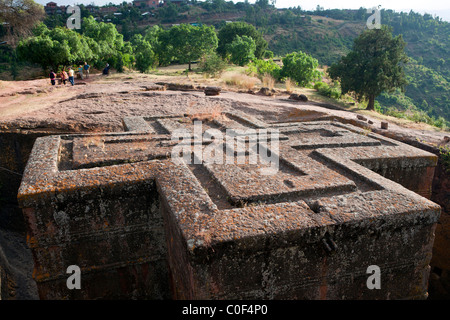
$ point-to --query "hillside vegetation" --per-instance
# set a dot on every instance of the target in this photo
(326, 35)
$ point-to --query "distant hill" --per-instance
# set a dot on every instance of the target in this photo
(325, 34)
(328, 38)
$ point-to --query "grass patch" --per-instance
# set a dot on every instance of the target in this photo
(241, 81)
(268, 81)
(290, 85)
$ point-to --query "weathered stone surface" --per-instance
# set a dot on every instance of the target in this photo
(3, 286)
(298, 97)
(154, 87)
(134, 219)
(212, 91)
(15, 149)
(266, 91)
(177, 86)
(7, 285)
(441, 194)
(362, 118)
(303, 97)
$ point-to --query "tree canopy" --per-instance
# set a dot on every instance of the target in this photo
(229, 32)
(242, 50)
(289, 30)
(300, 67)
(375, 64)
(59, 46)
(143, 52)
(98, 43)
(187, 43)
(108, 41)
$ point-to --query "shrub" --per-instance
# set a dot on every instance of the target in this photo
(420, 116)
(300, 67)
(290, 85)
(335, 93)
(212, 65)
(268, 81)
(319, 85)
(263, 67)
(327, 91)
(440, 123)
(242, 81)
(268, 54)
(251, 70)
(445, 157)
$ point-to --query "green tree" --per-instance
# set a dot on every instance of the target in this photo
(80, 46)
(375, 64)
(43, 51)
(52, 48)
(145, 58)
(300, 67)
(55, 20)
(229, 32)
(83, 11)
(126, 57)
(106, 42)
(212, 64)
(262, 3)
(168, 13)
(187, 43)
(267, 67)
(242, 50)
(152, 35)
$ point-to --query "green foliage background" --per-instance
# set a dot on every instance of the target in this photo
(241, 50)
(326, 35)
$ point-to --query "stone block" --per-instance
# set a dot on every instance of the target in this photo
(360, 117)
(212, 91)
(135, 219)
(298, 97)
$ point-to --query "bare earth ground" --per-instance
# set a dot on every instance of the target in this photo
(99, 103)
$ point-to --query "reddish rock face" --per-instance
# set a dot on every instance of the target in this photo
(138, 221)
(441, 194)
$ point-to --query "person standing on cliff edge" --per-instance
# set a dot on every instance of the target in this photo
(71, 74)
(53, 77)
(86, 70)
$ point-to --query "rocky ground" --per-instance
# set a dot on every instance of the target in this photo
(99, 103)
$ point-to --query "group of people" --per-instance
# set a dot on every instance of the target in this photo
(69, 75)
